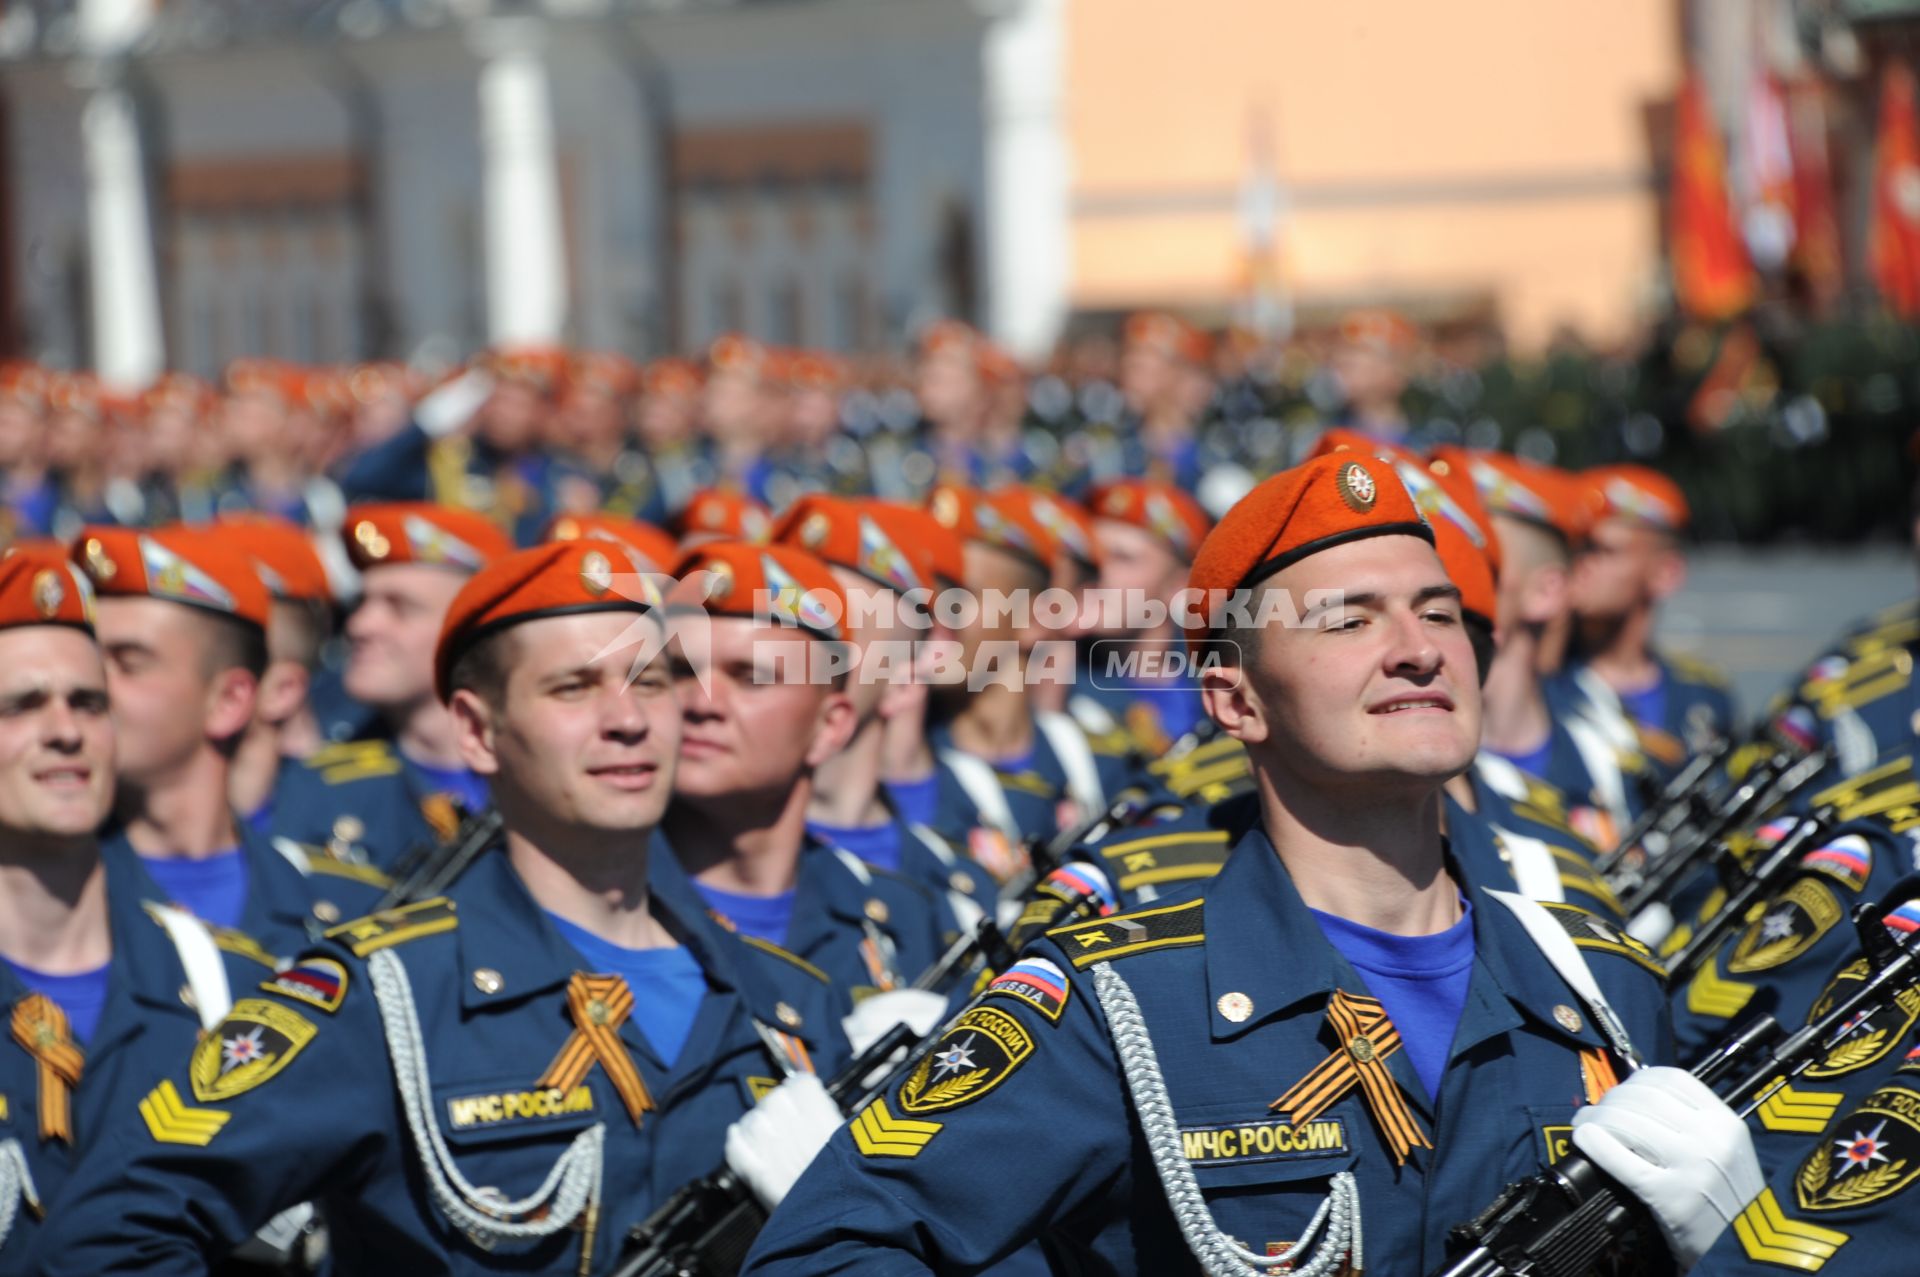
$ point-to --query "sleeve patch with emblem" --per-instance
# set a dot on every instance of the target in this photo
(319, 982)
(1595, 935)
(1847, 859)
(878, 1133)
(1792, 924)
(1869, 1042)
(979, 1052)
(1866, 1157)
(256, 1040)
(1038, 983)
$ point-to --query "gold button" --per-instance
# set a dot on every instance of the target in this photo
(1567, 1018)
(1361, 1048)
(326, 911)
(877, 910)
(487, 980)
(962, 882)
(186, 996)
(1235, 1006)
(349, 828)
(788, 1016)
(596, 1012)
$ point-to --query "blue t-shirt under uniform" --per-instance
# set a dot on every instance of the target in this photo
(1534, 762)
(1420, 980)
(1648, 706)
(212, 888)
(667, 984)
(918, 800)
(876, 845)
(766, 918)
(81, 997)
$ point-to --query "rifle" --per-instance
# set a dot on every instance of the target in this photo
(1568, 1217)
(429, 869)
(1044, 855)
(706, 1228)
(1772, 870)
(1766, 785)
(1651, 833)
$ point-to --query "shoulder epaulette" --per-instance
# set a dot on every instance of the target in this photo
(1125, 934)
(1882, 788)
(1182, 856)
(1114, 743)
(1695, 670)
(1867, 679)
(1199, 756)
(1594, 934)
(318, 861)
(786, 955)
(226, 939)
(1228, 773)
(389, 927)
(353, 760)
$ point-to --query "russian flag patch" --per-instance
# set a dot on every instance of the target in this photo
(1038, 983)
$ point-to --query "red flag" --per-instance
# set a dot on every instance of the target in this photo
(1712, 278)
(1893, 236)
(1816, 227)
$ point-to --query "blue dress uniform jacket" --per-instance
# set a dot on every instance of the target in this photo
(1780, 959)
(865, 927)
(362, 800)
(1038, 796)
(324, 1119)
(294, 891)
(1031, 1132)
(146, 1024)
(1864, 706)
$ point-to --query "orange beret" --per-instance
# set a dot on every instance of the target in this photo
(40, 587)
(1070, 523)
(1641, 494)
(913, 528)
(421, 532)
(948, 334)
(775, 584)
(75, 392)
(282, 553)
(1463, 534)
(1319, 504)
(1545, 496)
(542, 367)
(370, 382)
(1160, 508)
(560, 578)
(609, 373)
(1169, 334)
(855, 536)
(816, 370)
(24, 383)
(733, 516)
(733, 352)
(180, 564)
(1003, 520)
(654, 547)
(671, 376)
(1385, 330)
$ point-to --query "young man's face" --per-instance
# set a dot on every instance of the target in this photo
(753, 723)
(56, 739)
(578, 736)
(1380, 687)
(1137, 563)
(392, 633)
(168, 701)
(1620, 571)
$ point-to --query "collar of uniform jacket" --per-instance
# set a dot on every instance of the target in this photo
(1263, 942)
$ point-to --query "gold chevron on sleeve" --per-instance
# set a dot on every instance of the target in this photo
(171, 1122)
(878, 1133)
(1712, 994)
(1804, 1111)
(1769, 1237)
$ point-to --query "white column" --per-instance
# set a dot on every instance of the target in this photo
(125, 295)
(525, 253)
(1028, 240)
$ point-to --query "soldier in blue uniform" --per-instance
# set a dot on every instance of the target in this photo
(376, 799)
(100, 975)
(1632, 561)
(1028, 772)
(1147, 533)
(755, 630)
(1336, 1050)
(881, 553)
(507, 1078)
(182, 623)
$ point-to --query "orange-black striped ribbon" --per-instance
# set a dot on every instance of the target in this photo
(1367, 1037)
(599, 1004)
(41, 1027)
(1597, 1073)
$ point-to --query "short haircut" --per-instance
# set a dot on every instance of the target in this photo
(482, 668)
(232, 644)
(299, 628)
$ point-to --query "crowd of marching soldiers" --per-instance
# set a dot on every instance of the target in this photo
(594, 885)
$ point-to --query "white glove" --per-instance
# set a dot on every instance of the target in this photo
(777, 1139)
(1652, 925)
(445, 409)
(1673, 1144)
(875, 1015)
